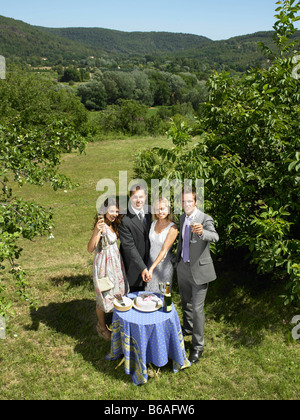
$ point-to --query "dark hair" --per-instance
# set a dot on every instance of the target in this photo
(190, 190)
(110, 201)
(137, 187)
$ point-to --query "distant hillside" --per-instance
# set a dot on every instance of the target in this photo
(131, 42)
(20, 41)
(237, 53)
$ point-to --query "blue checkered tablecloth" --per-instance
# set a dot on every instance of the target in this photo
(147, 337)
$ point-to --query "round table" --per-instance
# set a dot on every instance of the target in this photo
(147, 337)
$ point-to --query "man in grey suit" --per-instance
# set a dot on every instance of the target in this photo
(134, 237)
(195, 269)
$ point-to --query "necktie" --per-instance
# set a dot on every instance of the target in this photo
(141, 217)
(186, 243)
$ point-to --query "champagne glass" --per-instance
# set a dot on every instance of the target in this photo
(101, 219)
(193, 223)
(162, 288)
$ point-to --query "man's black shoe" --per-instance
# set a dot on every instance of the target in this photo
(195, 356)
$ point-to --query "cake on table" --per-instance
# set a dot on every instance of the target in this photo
(122, 303)
(148, 302)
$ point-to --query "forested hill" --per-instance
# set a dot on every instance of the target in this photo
(20, 41)
(131, 42)
(23, 42)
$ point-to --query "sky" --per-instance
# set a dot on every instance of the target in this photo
(214, 19)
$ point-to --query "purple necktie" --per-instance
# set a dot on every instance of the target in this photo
(186, 244)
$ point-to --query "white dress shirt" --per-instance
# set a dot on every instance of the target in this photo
(137, 212)
(187, 221)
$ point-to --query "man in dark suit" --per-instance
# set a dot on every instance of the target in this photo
(195, 269)
(134, 237)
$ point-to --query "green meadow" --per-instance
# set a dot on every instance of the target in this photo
(55, 353)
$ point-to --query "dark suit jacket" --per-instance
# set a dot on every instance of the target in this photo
(201, 263)
(135, 245)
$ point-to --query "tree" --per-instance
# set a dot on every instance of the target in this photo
(162, 92)
(249, 157)
(118, 85)
(70, 74)
(93, 95)
(132, 116)
(177, 85)
(142, 92)
(31, 147)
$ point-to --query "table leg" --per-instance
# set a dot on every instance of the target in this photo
(121, 363)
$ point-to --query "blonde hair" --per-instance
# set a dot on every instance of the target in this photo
(167, 203)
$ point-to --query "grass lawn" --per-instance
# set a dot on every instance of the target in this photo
(55, 353)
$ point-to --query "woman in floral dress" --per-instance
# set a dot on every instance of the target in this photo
(107, 263)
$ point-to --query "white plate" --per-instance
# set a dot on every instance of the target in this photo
(123, 308)
(145, 310)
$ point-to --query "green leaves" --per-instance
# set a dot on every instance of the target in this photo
(180, 134)
(284, 26)
(295, 164)
(31, 147)
(248, 154)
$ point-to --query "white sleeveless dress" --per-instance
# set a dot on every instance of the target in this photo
(163, 273)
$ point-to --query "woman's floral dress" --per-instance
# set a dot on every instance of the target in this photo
(108, 262)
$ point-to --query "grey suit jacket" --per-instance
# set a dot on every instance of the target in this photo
(201, 263)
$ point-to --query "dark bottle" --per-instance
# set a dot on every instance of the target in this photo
(167, 299)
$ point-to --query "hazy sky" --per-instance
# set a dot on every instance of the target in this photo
(215, 19)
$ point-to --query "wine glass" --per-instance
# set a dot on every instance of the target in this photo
(162, 288)
(101, 219)
(193, 223)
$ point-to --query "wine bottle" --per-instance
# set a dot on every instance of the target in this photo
(167, 299)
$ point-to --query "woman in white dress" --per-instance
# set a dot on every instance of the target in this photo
(162, 236)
